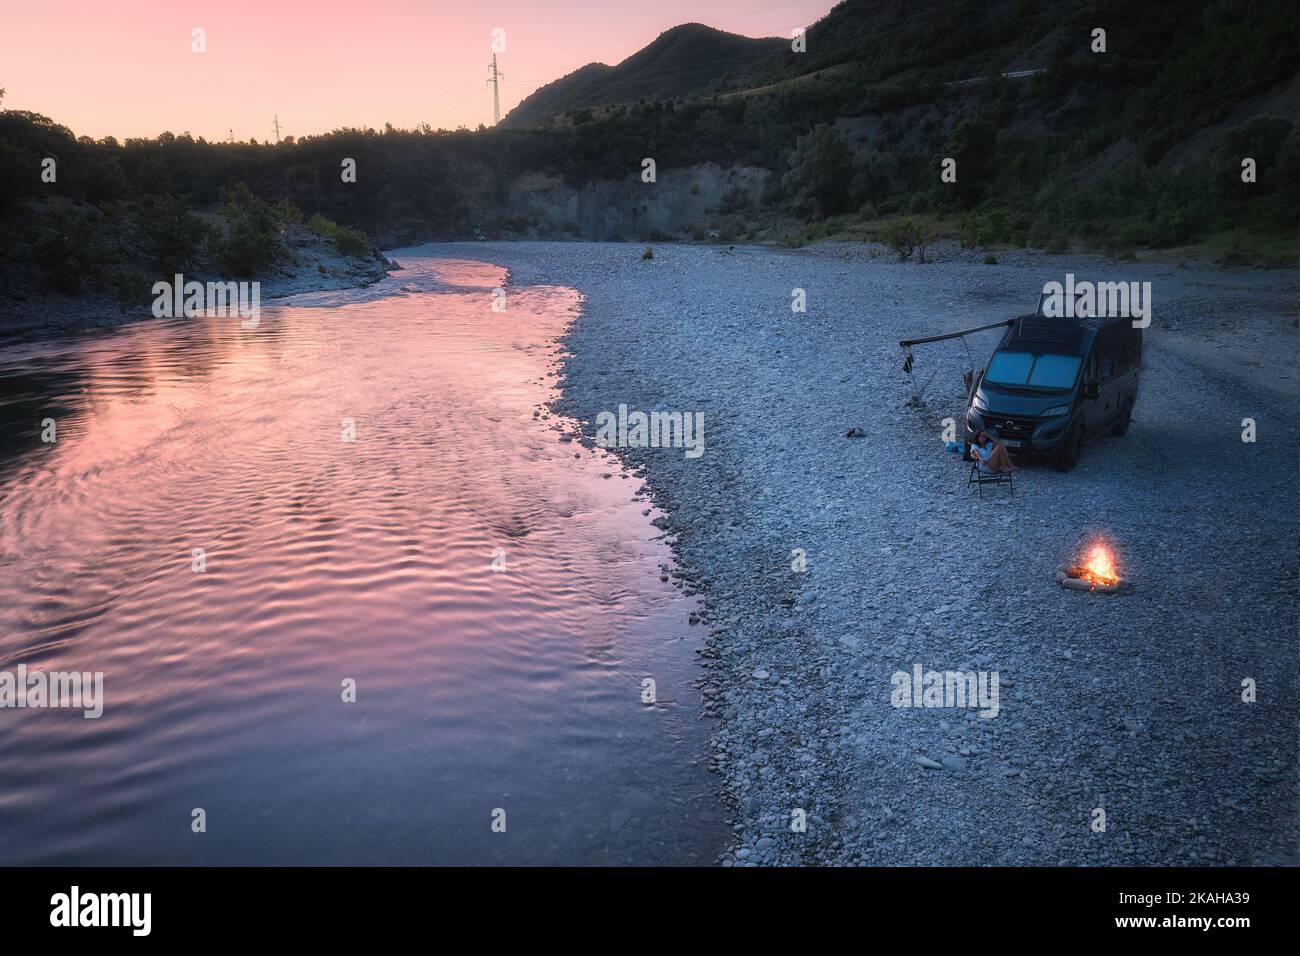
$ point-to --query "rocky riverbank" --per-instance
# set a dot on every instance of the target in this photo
(1121, 734)
(313, 264)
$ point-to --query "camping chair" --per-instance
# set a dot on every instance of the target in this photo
(982, 478)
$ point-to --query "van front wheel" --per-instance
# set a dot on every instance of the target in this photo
(1071, 449)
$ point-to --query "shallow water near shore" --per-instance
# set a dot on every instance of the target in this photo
(328, 560)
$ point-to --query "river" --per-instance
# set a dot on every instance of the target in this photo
(239, 526)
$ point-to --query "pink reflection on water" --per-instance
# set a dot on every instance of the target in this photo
(329, 559)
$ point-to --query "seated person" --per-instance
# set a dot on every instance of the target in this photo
(990, 454)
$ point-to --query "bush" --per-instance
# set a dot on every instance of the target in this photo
(252, 242)
(731, 229)
(733, 199)
(982, 228)
(990, 226)
(170, 237)
(1120, 251)
(66, 254)
(287, 213)
(353, 242)
(905, 237)
(818, 231)
(131, 287)
(350, 242)
(1234, 254)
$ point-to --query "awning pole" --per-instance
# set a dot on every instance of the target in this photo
(908, 343)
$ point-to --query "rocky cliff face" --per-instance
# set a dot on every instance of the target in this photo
(628, 208)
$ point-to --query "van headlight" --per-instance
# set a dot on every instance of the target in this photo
(978, 403)
(1058, 410)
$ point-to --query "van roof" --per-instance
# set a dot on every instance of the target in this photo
(1070, 335)
(1064, 335)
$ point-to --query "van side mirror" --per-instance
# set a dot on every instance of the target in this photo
(1092, 390)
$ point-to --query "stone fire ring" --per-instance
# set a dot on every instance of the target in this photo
(1068, 578)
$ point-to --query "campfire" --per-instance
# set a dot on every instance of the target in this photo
(1096, 572)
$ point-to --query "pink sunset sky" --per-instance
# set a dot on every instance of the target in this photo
(125, 68)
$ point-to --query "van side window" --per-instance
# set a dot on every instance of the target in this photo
(1107, 367)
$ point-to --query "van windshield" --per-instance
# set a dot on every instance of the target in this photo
(1026, 369)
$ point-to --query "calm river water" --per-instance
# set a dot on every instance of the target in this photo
(327, 560)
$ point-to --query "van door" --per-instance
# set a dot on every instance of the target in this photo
(1092, 408)
(1130, 362)
(1113, 372)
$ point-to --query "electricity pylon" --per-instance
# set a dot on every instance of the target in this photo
(496, 92)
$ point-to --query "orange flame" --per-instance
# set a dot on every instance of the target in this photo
(1100, 568)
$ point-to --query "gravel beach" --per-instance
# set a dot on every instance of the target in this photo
(1131, 704)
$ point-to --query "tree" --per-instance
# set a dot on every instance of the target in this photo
(169, 235)
(104, 180)
(973, 144)
(252, 241)
(18, 173)
(152, 177)
(821, 169)
(1261, 139)
(874, 173)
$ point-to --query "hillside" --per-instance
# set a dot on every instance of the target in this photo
(690, 58)
(1058, 145)
(1169, 66)
(581, 88)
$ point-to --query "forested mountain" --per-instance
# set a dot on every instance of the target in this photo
(691, 58)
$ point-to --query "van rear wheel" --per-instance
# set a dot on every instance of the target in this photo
(1071, 449)
(1120, 428)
